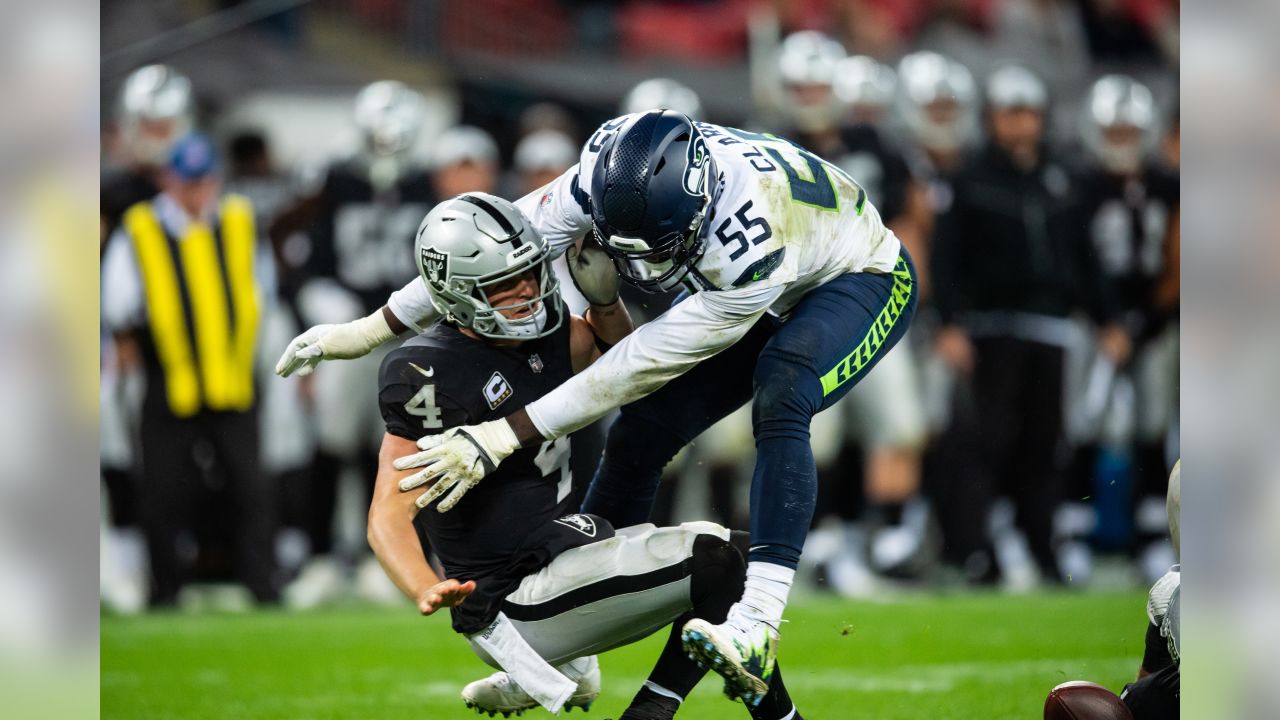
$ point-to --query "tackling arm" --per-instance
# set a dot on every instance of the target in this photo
(644, 361)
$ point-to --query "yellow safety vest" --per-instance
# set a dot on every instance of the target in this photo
(208, 366)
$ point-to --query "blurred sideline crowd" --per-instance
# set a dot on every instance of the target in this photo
(1025, 151)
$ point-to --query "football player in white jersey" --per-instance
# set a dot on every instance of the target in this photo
(797, 290)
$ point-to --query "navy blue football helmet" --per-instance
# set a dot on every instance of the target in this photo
(650, 191)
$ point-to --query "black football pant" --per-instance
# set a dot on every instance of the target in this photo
(177, 453)
(1007, 439)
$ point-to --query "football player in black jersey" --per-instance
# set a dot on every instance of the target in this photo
(359, 218)
(537, 589)
(155, 109)
(1129, 210)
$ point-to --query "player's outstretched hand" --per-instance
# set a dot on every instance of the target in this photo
(456, 461)
(593, 272)
(445, 594)
(303, 353)
(344, 341)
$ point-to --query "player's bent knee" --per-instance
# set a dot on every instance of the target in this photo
(718, 572)
(786, 396)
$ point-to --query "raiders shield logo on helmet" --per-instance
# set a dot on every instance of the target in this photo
(582, 523)
(436, 266)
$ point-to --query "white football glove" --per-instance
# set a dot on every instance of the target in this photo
(593, 272)
(457, 460)
(344, 341)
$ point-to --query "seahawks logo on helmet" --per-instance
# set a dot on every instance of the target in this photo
(436, 266)
(696, 169)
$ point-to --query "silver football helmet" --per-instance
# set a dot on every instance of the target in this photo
(662, 94)
(389, 115)
(1120, 123)
(155, 109)
(468, 246)
(938, 101)
(807, 66)
(1014, 86)
(865, 86)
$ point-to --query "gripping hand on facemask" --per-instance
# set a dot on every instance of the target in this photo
(456, 461)
(593, 272)
(344, 341)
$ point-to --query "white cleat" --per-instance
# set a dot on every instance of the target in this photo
(498, 693)
(741, 650)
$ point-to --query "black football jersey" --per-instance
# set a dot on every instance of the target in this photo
(1128, 222)
(443, 379)
(362, 238)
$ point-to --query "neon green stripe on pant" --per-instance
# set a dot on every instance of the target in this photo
(866, 350)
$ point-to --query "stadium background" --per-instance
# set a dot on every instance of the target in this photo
(289, 71)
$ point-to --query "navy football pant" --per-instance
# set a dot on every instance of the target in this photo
(789, 371)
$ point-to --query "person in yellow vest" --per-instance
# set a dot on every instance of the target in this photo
(181, 291)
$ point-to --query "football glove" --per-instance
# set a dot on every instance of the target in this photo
(456, 460)
(593, 272)
(333, 342)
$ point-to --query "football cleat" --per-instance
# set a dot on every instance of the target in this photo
(742, 651)
(498, 693)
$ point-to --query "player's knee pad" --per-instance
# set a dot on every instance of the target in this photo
(718, 572)
(783, 402)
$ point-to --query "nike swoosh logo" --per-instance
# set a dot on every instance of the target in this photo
(754, 548)
(429, 372)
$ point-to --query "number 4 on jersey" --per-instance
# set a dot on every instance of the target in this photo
(423, 405)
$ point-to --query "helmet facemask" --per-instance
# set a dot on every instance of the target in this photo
(491, 322)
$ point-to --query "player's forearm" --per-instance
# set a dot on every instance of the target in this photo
(396, 545)
(390, 530)
(610, 323)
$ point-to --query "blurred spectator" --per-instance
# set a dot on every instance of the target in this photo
(154, 110)
(662, 93)
(541, 157)
(1128, 204)
(253, 173)
(1009, 267)
(546, 116)
(361, 221)
(1048, 38)
(181, 291)
(465, 159)
(807, 65)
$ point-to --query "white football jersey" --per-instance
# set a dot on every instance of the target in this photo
(782, 223)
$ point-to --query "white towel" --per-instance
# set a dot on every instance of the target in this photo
(533, 674)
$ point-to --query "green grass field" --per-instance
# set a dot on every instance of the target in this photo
(964, 656)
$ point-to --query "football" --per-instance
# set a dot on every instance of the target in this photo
(1083, 700)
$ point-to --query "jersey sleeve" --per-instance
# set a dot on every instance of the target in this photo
(411, 404)
(559, 210)
(652, 356)
(412, 305)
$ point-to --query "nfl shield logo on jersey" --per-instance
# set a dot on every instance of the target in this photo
(581, 523)
(436, 266)
(535, 363)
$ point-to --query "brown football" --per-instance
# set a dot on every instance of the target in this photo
(1084, 700)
